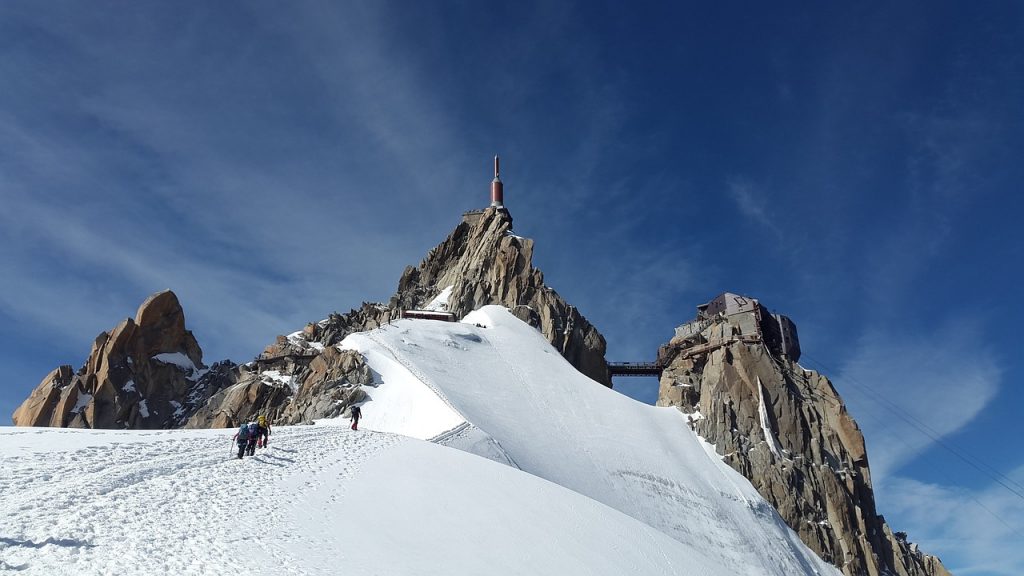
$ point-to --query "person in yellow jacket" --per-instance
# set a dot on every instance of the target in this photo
(264, 432)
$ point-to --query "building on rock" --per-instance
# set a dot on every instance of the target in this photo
(750, 322)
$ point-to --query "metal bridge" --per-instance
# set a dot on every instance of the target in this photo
(634, 369)
(293, 357)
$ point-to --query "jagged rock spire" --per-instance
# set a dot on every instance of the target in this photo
(787, 430)
(147, 372)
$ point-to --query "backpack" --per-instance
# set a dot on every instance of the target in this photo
(243, 432)
(254, 429)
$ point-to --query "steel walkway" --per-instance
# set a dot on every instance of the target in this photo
(634, 369)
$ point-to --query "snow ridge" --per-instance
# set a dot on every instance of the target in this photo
(554, 423)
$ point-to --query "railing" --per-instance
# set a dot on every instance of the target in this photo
(634, 369)
(272, 359)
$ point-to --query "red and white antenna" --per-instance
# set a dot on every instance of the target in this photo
(497, 199)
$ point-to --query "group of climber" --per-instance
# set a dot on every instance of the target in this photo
(252, 435)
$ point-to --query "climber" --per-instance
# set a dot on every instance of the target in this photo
(356, 414)
(264, 432)
(242, 437)
(254, 435)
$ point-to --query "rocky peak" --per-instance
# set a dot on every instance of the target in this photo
(483, 262)
(301, 377)
(160, 327)
(291, 388)
(734, 370)
(145, 373)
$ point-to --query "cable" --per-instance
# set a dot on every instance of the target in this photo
(884, 425)
(931, 433)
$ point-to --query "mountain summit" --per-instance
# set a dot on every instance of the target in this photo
(482, 262)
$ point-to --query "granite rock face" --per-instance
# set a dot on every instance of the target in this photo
(480, 263)
(787, 430)
(147, 373)
(293, 389)
(38, 409)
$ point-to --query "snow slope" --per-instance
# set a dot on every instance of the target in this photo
(520, 397)
(586, 481)
(320, 500)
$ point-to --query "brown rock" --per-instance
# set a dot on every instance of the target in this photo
(241, 402)
(787, 430)
(332, 382)
(485, 263)
(146, 373)
(289, 390)
(68, 405)
(161, 324)
(38, 408)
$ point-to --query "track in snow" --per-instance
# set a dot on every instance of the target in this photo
(182, 504)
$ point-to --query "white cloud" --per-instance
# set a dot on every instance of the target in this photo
(896, 383)
(141, 184)
(973, 531)
(751, 202)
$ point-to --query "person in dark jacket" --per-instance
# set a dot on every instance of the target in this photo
(254, 436)
(356, 414)
(242, 437)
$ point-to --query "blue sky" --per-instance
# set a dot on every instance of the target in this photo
(856, 167)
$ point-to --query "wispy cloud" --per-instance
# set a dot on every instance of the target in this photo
(179, 158)
(979, 530)
(897, 383)
(124, 183)
(753, 204)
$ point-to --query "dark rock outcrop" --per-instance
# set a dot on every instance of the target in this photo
(243, 401)
(294, 390)
(147, 373)
(787, 430)
(329, 385)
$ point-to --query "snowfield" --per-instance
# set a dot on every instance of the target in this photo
(481, 451)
